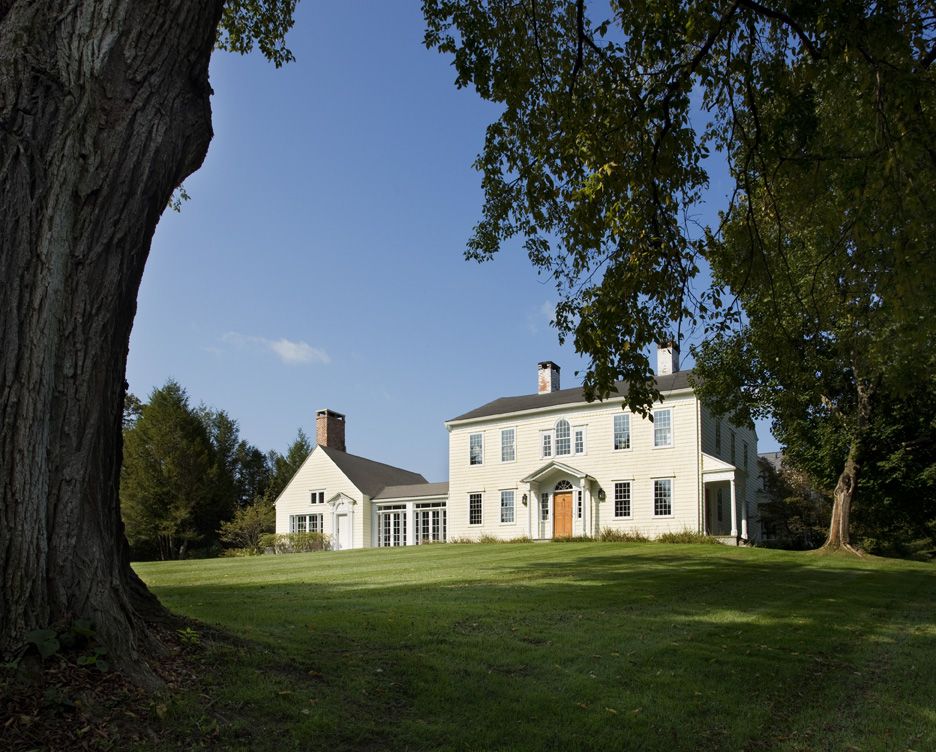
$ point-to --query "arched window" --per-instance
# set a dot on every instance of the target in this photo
(563, 437)
(563, 485)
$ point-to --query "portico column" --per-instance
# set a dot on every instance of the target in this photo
(744, 530)
(586, 507)
(734, 511)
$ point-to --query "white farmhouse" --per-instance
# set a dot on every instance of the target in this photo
(542, 466)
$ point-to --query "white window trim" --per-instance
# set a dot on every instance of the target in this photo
(319, 491)
(614, 516)
(552, 444)
(672, 429)
(503, 461)
(480, 522)
(293, 523)
(583, 427)
(555, 439)
(500, 512)
(672, 482)
(630, 435)
(470, 435)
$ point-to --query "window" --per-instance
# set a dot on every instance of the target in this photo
(579, 440)
(731, 445)
(508, 445)
(662, 497)
(476, 449)
(622, 499)
(718, 506)
(507, 506)
(622, 431)
(663, 428)
(474, 509)
(391, 525)
(318, 497)
(718, 437)
(563, 438)
(305, 523)
(563, 485)
(544, 507)
(578, 505)
(547, 444)
(744, 453)
(429, 522)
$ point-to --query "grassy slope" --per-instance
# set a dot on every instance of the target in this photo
(563, 646)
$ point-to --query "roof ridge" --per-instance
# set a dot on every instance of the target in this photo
(570, 395)
(368, 459)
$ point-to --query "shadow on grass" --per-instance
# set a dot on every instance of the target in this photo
(602, 648)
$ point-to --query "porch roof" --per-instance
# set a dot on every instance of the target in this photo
(555, 466)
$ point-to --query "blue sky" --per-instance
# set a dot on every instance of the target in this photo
(319, 261)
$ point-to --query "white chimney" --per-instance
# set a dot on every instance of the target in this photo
(667, 358)
(548, 380)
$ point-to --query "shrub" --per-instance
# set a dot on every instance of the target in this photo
(687, 536)
(609, 535)
(490, 539)
(575, 539)
(236, 553)
(294, 543)
(246, 530)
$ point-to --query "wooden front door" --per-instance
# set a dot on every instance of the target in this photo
(562, 514)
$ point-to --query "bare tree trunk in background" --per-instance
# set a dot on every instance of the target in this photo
(847, 484)
(104, 110)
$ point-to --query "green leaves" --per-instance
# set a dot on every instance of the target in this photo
(264, 23)
(597, 161)
(45, 641)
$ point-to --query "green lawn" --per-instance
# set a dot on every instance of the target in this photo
(574, 646)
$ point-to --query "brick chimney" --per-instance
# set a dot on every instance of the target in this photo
(548, 380)
(330, 429)
(667, 358)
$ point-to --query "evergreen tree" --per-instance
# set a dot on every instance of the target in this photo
(169, 481)
(284, 466)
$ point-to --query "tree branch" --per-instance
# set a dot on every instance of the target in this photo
(580, 43)
(928, 59)
(785, 19)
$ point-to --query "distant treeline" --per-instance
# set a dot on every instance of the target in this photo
(190, 484)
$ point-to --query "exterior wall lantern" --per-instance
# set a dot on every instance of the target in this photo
(601, 494)
(524, 499)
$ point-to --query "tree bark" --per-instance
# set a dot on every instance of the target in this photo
(847, 485)
(842, 496)
(104, 110)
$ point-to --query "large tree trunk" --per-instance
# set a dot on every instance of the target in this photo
(104, 109)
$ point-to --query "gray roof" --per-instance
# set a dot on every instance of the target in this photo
(414, 491)
(504, 405)
(369, 476)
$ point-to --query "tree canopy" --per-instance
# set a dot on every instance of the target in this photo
(599, 158)
(822, 262)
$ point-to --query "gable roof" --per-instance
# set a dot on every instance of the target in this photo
(369, 476)
(414, 491)
(552, 466)
(504, 405)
